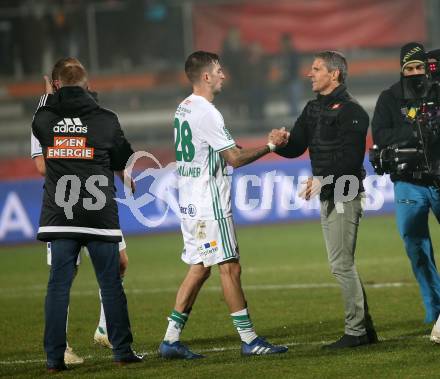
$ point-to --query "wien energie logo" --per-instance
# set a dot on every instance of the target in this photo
(69, 148)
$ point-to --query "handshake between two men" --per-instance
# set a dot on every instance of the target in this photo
(310, 187)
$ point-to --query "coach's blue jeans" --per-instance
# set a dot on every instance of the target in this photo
(105, 259)
(412, 209)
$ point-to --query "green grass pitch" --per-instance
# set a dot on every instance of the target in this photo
(292, 297)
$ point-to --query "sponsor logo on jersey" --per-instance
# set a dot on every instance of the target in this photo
(210, 244)
(70, 125)
(192, 210)
(227, 133)
(182, 111)
(208, 248)
(69, 148)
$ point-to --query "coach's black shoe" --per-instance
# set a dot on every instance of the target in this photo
(372, 336)
(348, 340)
(56, 367)
(130, 358)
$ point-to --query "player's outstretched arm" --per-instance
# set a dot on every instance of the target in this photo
(237, 157)
(128, 182)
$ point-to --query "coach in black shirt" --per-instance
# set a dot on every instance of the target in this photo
(83, 145)
(333, 127)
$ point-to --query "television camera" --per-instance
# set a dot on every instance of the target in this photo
(420, 160)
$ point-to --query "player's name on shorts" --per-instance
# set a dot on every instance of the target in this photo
(70, 153)
(193, 172)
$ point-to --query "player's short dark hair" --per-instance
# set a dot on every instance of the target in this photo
(61, 63)
(198, 61)
(335, 60)
(73, 76)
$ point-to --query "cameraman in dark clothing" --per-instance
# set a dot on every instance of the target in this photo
(333, 127)
(83, 145)
(394, 123)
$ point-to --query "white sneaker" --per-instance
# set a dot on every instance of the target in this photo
(70, 358)
(435, 334)
(101, 337)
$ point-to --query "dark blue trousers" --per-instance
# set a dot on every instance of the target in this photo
(105, 259)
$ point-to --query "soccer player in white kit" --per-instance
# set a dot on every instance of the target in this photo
(100, 337)
(203, 149)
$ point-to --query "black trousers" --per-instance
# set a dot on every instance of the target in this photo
(105, 259)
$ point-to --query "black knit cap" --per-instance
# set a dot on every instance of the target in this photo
(412, 52)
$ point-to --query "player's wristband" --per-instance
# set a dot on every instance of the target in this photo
(271, 146)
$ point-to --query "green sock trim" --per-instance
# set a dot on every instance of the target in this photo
(180, 318)
(241, 318)
(242, 322)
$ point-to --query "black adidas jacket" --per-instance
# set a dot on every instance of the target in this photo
(83, 145)
(334, 128)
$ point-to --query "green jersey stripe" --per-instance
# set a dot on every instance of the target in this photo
(225, 239)
(214, 200)
(228, 238)
(225, 148)
(219, 204)
(217, 156)
(211, 187)
(229, 252)
(215, 192)
(218, 212)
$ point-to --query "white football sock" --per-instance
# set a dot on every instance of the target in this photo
(244, 326)
(67, 323)
(176, 323)
(437, 324)
(102, 321)
(173, 332)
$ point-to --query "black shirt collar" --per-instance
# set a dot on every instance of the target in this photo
(332, 96)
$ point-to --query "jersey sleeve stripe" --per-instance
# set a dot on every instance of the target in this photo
(42, 102)
(39, 103)
(225, 148)
(212, 184)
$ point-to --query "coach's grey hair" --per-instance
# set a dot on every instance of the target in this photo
(335, 60)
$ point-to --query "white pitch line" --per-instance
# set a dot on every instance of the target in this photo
(214, 349)
(35, 290)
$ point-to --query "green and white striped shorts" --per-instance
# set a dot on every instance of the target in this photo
(209, 241)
